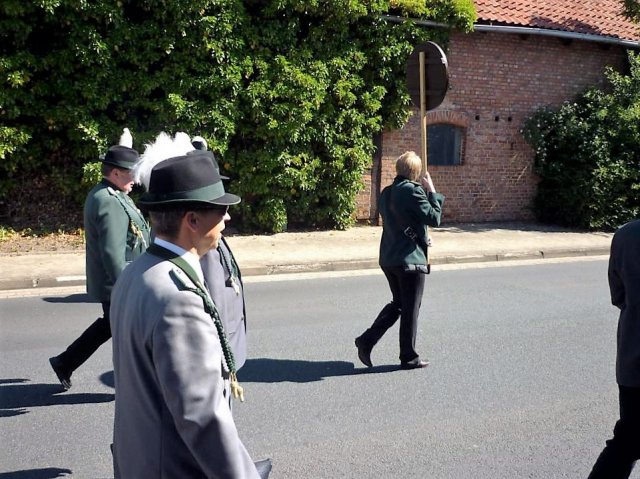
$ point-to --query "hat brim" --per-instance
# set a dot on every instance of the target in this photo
(122, 166)
(228, 199)
(121, 157)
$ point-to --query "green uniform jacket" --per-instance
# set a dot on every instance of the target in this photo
(404, 203)
(115, 234)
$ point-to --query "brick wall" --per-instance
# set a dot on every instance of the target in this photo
(496, 82)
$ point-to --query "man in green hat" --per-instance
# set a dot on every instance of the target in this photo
(115, 234)
(173, 365)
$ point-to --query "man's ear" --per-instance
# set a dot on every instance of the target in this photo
(192, 219)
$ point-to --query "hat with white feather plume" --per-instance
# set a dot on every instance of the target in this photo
(174, 172)
(122, 155)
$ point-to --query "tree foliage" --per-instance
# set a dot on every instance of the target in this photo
(587, 155)
(289, 93)
(631, 10)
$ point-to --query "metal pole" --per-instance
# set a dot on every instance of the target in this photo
(423, 112)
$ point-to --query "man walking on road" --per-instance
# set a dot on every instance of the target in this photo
(173, 364)
(224, 282)
(115, 234)
(618, 457)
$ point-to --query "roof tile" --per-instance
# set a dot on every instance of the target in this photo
(595, 17)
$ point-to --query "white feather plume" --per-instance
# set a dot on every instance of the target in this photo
(199, 142)
(126, 139)
(162, 148)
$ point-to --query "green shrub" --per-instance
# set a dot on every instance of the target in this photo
(289, 93)
(587, 155)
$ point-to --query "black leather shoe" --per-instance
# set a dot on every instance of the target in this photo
(364, 353)
(414, 364)
(63, 376)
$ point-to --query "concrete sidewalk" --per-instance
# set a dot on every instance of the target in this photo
(356, 248)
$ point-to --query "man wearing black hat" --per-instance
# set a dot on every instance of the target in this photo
(224, 281)
(173, 365)
(115, 234)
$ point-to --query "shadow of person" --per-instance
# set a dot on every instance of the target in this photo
(12, 412)
(46, 473)
(72, 298)
(268, 370)
(16, 397)
(107, 379)
(13, 381)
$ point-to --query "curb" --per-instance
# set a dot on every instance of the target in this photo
(339, 265)
(35, 283)
(549, 254)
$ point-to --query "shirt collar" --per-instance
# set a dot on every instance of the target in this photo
(191, 259)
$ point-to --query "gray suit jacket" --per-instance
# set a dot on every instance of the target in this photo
(230, 305)
(171, 416)
(624, 283)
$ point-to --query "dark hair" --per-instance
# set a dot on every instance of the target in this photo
(166, 222)
(106, 169)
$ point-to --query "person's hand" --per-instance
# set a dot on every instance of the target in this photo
(427, 183)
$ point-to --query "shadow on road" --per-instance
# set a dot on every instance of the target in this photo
(267, 370)
(16, 395)
(107, 379)
(46, 473)
(72, 298)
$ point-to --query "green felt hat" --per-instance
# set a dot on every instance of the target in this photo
(121, 156)
(191, 178)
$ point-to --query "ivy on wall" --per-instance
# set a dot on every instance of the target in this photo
(289, 93)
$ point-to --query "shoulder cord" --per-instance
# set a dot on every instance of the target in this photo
(210, 308)
(127, 204)
(231, 269)
(236, 274)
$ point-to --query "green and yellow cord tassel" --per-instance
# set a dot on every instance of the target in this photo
(236, 389)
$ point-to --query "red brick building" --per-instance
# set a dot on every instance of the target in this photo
(522, 55)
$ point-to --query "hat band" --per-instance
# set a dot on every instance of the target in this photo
(206, 193)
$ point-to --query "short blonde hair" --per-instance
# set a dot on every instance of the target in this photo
(409, 165)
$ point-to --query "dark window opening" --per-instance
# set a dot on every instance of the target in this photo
(444, 144)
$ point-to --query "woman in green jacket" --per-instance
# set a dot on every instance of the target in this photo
(407, 207)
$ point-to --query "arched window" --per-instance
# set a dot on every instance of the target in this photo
(444, 144)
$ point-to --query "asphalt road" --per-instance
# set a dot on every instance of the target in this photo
(521, 382)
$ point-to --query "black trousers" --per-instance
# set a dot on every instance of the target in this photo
(406, 292)
(617, 459)
(88, 342)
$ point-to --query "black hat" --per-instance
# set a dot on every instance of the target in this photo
(121, 156)
(212, 157)
(191, 178)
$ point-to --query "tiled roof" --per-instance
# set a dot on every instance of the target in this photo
(595, 17)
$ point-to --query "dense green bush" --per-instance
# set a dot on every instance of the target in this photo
(587, 154)
(289, 93)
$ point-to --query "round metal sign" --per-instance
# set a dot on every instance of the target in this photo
(436, 75)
